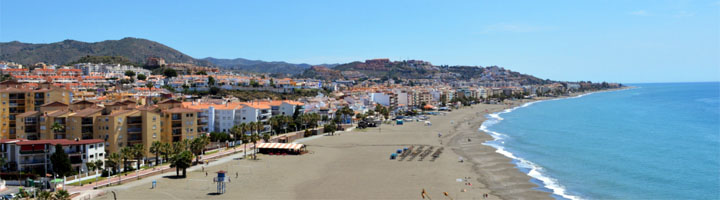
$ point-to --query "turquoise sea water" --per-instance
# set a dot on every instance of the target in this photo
(655, 141)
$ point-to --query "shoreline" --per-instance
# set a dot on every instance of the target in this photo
(356, 165)
(544, 183)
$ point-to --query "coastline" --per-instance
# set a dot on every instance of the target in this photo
(356, 165)
(528, 168)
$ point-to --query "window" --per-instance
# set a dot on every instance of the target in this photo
(100, 145)
(153, 118)
(92, 156)
(100, 155)
(92, 146)
(154, 127)
(154, 135)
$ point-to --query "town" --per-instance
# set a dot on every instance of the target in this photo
(109, 119)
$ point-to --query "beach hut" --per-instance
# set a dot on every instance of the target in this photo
(280, 148)
(399, 122)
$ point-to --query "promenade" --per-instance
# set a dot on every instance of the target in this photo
(89, 190)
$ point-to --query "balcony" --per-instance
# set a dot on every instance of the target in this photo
(134, 120)
(176, 124)
(87, 121)
(176, 117)
(134, 137)
(87, 136)
(177, 131)
(32, 162)
(30, 129)
(134, 129)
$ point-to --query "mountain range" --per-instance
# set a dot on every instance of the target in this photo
(136, 50)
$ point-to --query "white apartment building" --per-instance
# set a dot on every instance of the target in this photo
(34, 155)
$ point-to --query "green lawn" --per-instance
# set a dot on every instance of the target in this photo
(212, 152)
(92, 180)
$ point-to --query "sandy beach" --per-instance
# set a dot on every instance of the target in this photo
(357, 165)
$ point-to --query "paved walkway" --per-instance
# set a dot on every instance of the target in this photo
(151, 171)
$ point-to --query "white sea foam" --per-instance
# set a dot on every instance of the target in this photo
(534, 170)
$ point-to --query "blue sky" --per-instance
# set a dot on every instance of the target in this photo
(622, 41)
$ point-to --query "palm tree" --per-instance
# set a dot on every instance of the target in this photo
(275, 123)
(254, 137)
(57, 127)
(98, 164)
(259, 126)
(62, 195)
(113, 161)
(43, 195)
(166, 149)
(90, 166)
(178, 147)
(182, 160)
(197, 146)
(126, 153)
(138, 152)
(156, 148)
(266, 137)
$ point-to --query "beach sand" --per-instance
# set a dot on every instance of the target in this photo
(357, 165)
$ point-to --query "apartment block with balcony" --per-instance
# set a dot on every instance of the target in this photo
(179, 124)
(127, 127)
(16, 99)
(34, 155)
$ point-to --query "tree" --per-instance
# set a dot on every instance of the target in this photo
(130, 73)
(44, 195)
(98, 164)
(330, 128)
(201, 73)
(149, 85)
(166, 149)
(126, 153)
(60, 162)
(266, 137)
(156, 148)
(141, 77)
(254, 136)
(56, 127)
(170, 73)
(113, 161)
(90, 166)
(214, 90)
(62, 195)
(211, 81)
(138, 152)
(197, 146)
(181, 160)
(254, 83)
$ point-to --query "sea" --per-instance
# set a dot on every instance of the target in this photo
(651, 141)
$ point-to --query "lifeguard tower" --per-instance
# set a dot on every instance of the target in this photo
(220, 180)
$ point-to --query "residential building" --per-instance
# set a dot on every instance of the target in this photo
(34, 155)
